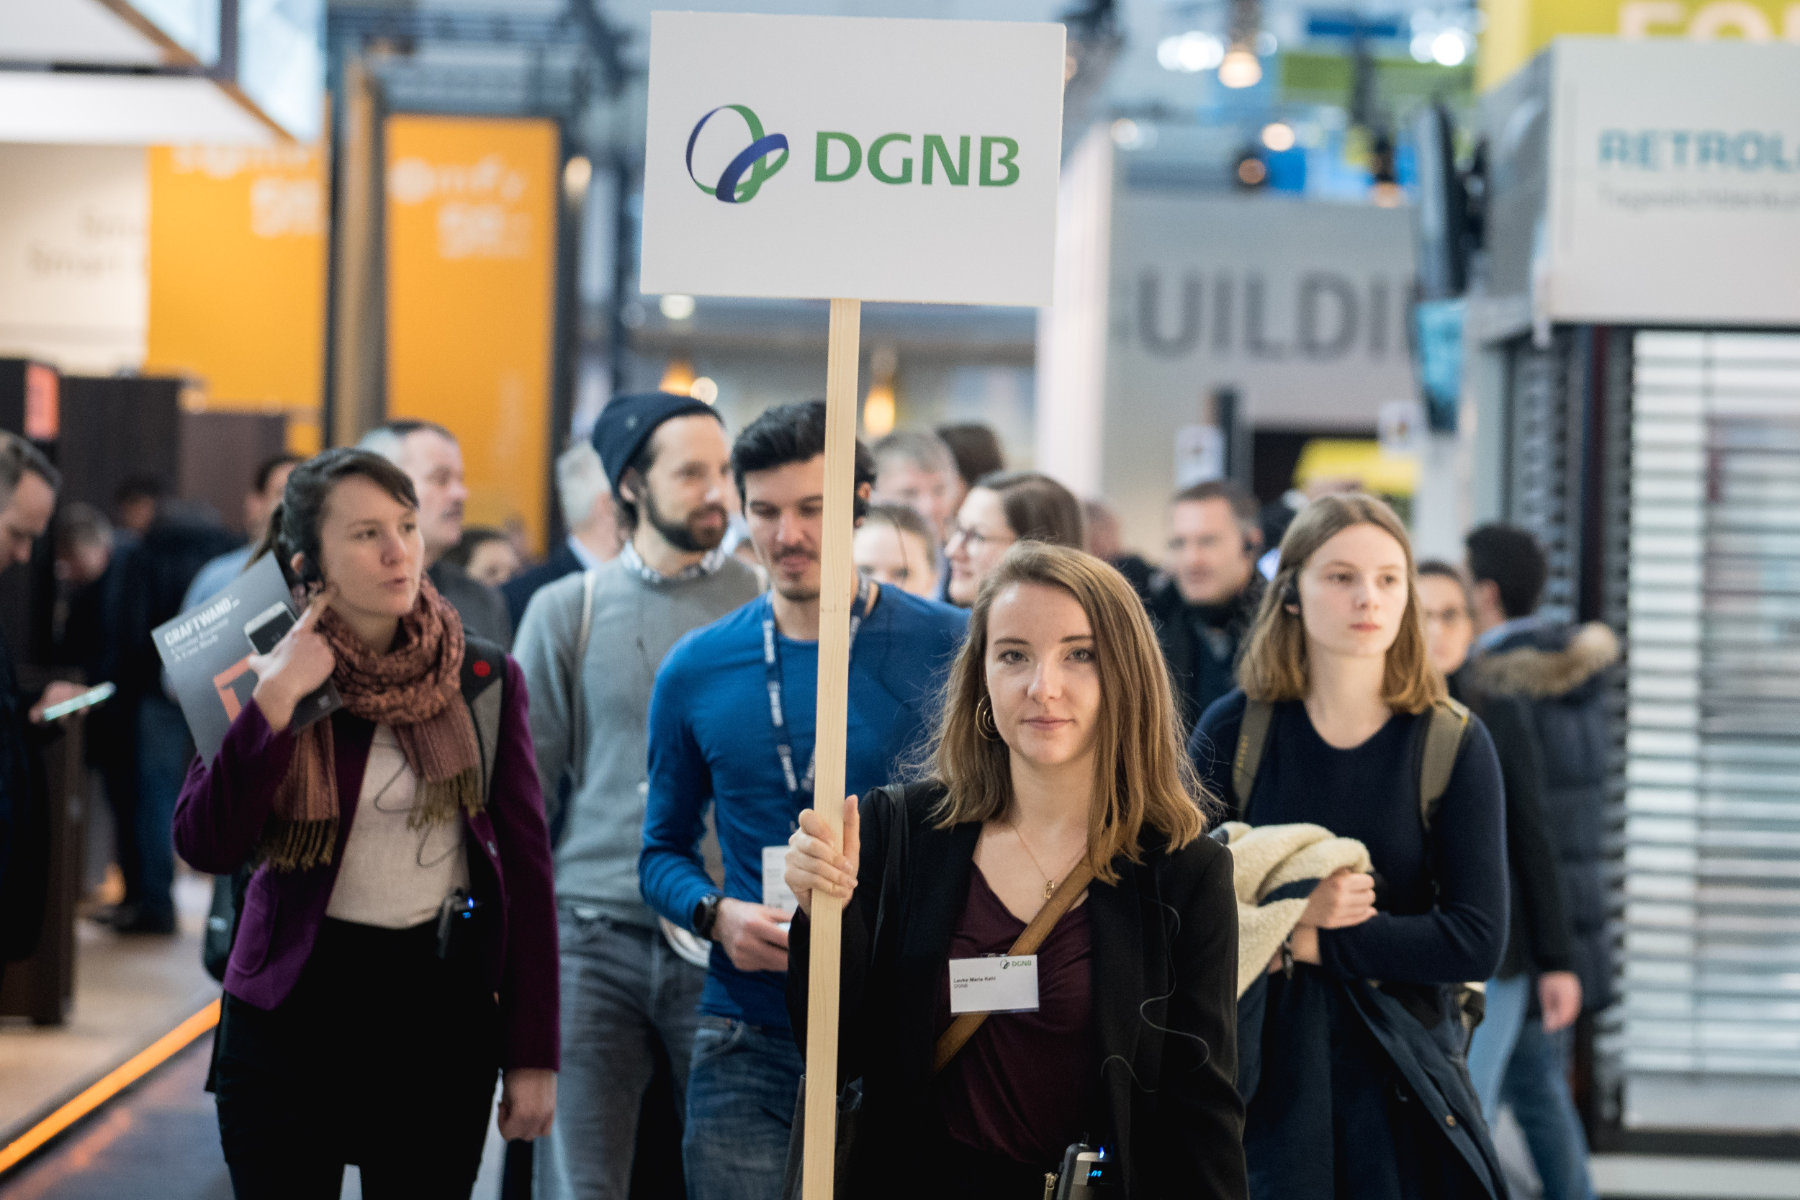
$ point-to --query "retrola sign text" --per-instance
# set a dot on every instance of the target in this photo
(827, 156)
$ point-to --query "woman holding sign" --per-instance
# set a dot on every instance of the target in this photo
(1060, 827)
(397, 944)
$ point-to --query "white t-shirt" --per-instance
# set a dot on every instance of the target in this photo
(393, 876)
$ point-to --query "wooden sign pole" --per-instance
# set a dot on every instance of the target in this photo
(842, 356)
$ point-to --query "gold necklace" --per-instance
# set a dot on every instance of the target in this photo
(1049, 883)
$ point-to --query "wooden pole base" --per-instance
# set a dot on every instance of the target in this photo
(835, 596)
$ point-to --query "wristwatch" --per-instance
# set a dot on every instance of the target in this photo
(706, 915)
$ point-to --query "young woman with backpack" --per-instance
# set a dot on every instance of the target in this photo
(1356, 1033)
(397, 944)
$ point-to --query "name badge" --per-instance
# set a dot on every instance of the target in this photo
(776, 893)
(995, 985)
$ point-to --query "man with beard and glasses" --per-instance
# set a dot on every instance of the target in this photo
(589, 645)
(731, 727)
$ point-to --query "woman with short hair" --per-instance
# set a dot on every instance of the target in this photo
(1055, 781)
(1361, 1091)
(397, 942)
(1003, 509)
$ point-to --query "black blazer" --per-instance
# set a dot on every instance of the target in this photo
(1165, 1008)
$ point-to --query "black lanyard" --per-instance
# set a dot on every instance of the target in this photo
(800, 789)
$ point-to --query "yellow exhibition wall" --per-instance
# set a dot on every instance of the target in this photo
(1517, 29)
(470, 231)
(237, 251)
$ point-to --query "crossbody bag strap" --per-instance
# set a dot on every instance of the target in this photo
(1060, 902)
(577, 697)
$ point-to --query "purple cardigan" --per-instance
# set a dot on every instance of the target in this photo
(225, 804)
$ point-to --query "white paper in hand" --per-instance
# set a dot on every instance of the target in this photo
(775, 891)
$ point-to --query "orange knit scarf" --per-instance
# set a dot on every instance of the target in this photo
(414, 688)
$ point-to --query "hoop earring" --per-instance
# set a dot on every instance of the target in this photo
(985, 724)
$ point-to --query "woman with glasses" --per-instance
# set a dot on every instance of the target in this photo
(1007, 507)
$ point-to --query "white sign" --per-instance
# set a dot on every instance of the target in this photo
(74, 282)
(852, 158)
(1302, 308)
(1674, 183)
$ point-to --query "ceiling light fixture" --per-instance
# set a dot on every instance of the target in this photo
(1240, 68)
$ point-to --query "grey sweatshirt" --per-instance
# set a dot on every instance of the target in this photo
(635, 623)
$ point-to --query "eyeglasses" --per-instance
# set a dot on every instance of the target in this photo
(974, 539)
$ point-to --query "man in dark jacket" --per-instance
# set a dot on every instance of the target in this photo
(28, 486)
(1205, 607)
(151, 582)
(1558, 672)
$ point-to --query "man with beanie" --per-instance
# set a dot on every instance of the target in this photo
(590, 645)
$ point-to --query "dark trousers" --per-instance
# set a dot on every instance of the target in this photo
(383, 1056)
(147, 855)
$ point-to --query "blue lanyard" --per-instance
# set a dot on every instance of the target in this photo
(800, 789)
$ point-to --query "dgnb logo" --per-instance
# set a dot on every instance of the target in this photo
(732, 186)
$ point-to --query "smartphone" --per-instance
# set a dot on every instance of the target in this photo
(87, 699)
(264, 631)
(268, 627)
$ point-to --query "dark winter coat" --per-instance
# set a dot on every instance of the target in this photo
(1199, 674)
(1538, 935)
(1164, 974)
(1560, 672)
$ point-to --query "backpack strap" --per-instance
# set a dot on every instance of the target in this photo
(1253, 737)
(484, 667)
(1449, 721)
(577, 696)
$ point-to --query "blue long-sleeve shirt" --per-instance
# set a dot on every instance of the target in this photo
(1442, 894)
(712, 741)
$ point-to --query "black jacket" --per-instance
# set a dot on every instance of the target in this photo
(1559, 671)
(1538, 937)
(482, 608)
(1164, 978)
(24, 823)
(519, 590)
(1198, 675)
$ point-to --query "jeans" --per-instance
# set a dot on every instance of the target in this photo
(1492, 1045)
(1514, 1062)
(163, 751)
(740, 1108)
(627, 998)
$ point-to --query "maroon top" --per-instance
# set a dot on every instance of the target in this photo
(1018, 1089)
(226, 802)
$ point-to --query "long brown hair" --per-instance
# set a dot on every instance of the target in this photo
(1274, 664)
(1142, 776)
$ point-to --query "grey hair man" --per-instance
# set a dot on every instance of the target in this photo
(917, 469)
(432, 458)
(585, 497)
(590, 645)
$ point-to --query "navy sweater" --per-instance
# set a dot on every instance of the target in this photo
(1371, 793)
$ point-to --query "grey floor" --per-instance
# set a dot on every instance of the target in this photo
(160, 1140)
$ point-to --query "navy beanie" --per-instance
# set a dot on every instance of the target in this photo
(627, 422)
